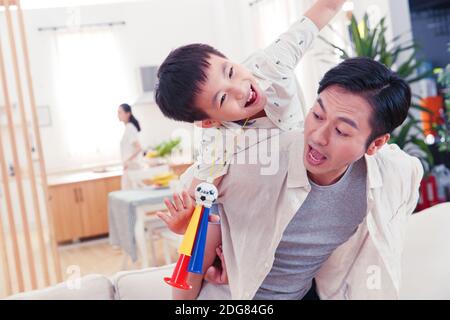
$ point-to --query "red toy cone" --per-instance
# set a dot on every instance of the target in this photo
(179, 275)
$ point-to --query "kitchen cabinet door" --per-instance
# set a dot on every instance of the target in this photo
(94, 205)
(64, 202)
(94, 214)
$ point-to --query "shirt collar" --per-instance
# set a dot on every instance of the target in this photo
(297, 176)
(374, 179)
(258, 123)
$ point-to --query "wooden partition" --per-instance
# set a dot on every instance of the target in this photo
(31, 259)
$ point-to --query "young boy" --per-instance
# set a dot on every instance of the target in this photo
(198, 83)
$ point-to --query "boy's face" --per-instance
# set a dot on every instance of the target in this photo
(336, 131)
(230, 93)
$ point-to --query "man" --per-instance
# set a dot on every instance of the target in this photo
(197, 82)
(336, 210)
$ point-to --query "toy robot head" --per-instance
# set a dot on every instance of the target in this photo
(206, 194)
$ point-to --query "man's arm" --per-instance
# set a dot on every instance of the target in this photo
(323, 11)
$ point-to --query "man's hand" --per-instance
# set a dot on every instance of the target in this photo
(180, 212)
(217, 273)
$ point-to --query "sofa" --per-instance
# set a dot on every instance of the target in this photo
(145, 284)
(426, 270)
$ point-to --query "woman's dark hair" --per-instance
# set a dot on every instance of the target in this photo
(179, 80)
(387, 93)
(127, 108)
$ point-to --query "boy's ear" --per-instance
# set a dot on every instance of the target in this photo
(377, 144)
(208, 123)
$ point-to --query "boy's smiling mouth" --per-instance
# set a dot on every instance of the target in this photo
(252, 97)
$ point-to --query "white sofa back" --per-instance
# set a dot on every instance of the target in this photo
(426, 256)
(426, 270)
(146, 284)
(90, 287)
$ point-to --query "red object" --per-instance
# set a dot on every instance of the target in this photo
(179, 275)
(435, 105)
(428, 193)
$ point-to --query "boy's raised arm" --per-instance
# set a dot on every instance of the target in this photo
(289, 48)
(322, 11)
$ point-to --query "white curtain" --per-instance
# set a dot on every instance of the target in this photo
(272, 17)
(91, 84)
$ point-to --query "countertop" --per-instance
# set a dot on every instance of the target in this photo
(87, 175)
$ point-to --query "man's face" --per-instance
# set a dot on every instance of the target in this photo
(336, 131)
(230, 93)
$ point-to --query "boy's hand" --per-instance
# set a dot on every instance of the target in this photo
(322, 11)
(217, 273)
(180, 212)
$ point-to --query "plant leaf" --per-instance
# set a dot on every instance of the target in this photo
(424, 75)
(356, 36)
(344, 55)
(424, 147)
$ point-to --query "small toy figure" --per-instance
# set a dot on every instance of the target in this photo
(192, 248)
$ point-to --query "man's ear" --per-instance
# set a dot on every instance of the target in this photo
(377, 144)
(208, 123)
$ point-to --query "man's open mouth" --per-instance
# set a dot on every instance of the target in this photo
(251, 97)
(314, 157)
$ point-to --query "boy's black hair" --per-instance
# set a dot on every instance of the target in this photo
(387, 93)
(179, 80)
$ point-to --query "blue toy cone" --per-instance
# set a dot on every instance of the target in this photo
(198, 252)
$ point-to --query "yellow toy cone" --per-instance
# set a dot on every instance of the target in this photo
(189, 236)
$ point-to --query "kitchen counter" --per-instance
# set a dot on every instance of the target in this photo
(95, 174)
(79, 201)
(88, 175)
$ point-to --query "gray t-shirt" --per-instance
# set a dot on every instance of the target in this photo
(328, 217)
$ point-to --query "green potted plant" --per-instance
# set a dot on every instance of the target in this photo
(159, 153)
(443, 130)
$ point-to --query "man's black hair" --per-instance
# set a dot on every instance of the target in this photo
(387, 93)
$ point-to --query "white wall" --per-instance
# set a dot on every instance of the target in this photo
(397, 15)
(153, 28)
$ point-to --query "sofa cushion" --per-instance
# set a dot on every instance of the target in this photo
(146, 284)
(90, 287)
(426, 261)
(426, 256)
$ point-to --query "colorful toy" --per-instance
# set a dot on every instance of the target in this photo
(192, 248)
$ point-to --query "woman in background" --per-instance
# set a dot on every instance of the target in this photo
(130, 148)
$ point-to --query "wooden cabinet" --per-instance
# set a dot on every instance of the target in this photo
(80, 209)
(64, 206)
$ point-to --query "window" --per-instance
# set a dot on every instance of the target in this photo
(272, 17)
(91, 84)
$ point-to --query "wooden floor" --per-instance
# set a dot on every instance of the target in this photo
(93, 256)
(98, 256)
